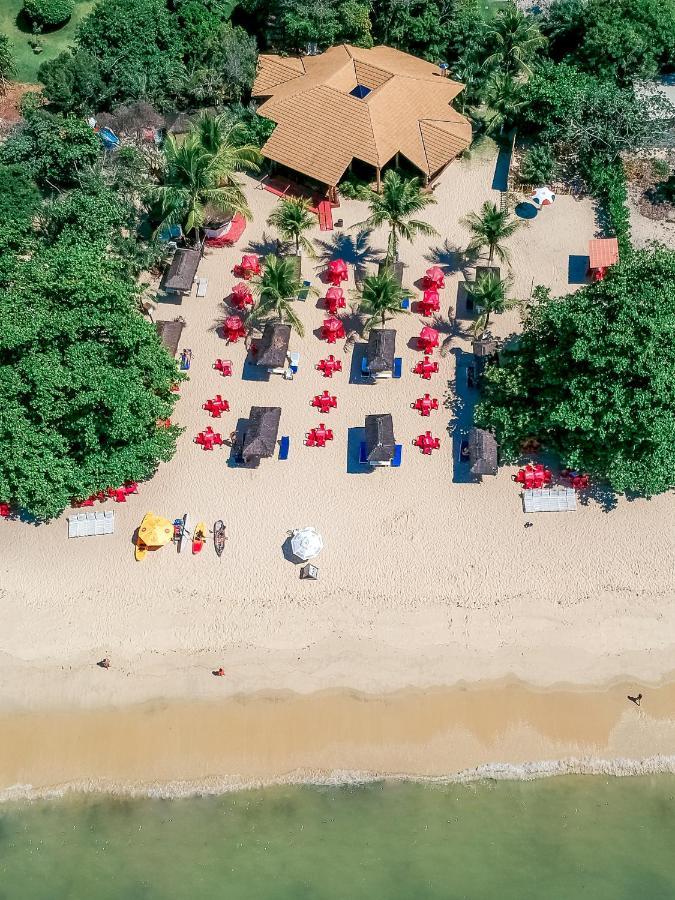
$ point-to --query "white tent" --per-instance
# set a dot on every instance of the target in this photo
(306, 543)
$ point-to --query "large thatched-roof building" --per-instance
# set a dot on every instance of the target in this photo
(380, 444)
(483, 452)
(260, 437)
(181, 273)
(353, 104)
(380, 351)
(273, 346)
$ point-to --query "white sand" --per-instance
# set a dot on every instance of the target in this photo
(423, 580)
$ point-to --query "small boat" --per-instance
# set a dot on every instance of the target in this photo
(199, 538)
(219, 536)
(184, 530)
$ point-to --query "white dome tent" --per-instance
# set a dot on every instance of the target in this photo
(543, 196)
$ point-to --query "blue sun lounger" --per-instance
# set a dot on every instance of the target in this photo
(396, 461)
(303, 294)
(284, 445)
(405, 303)
(365, 371)
(398, 367)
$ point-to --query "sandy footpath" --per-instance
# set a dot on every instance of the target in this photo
(425, 580)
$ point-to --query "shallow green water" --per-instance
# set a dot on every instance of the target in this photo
(554, 839)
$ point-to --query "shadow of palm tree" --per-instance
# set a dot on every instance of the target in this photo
(354, 249)
(263, 247)
(449, 257)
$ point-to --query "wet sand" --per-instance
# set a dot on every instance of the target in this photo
(178, 748)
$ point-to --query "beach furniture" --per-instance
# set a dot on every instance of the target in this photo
(303, 294)
(336, 272)
(260, 435)
(602, 253)
(430, 302)
(397, 371)
(5, 510)
(549, 500)
(284, 447)
(241, 295)
(329, 365)
(216, 406)
(306, 543)
(334, 300)
(426, 368)
(379, 356)
(533, 476)
(427, 340)
(202, 285)
(91, 524)
(482, 452)
(398, 453)
(425, 404)
(379, 447)
(308, 571)
(317, 437)
(294, 361)
(250, 265)
(427, 443)
(464, 456)
(332, 329)
(324, 402)
(224, 366)
(365, 371)
(208, 438)
(234, 329)
(434, 278)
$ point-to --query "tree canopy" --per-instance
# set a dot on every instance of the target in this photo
(593, 377)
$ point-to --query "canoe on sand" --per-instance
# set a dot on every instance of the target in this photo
(219, 536)
(199, 538)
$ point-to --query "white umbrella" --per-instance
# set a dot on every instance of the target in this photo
(306, 543)
(543, 196)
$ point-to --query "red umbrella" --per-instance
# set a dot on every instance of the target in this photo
(430, 302)
(427, 340)
(241, 295)
(332, 329)
(250, 263)
(234, 328)
(335, 299)
(337, 271)
(434, 278)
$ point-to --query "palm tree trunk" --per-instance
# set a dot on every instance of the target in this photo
(297, 245)
(492, 253)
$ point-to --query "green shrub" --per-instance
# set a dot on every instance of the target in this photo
(48, 13)
(607, 181)
(660, 168)
(538, 165)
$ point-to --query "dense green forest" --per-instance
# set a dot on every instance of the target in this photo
(83, 378)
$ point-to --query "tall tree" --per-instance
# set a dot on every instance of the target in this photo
(592, 377)
(292, 218)
(381, 297)
(194, 180)
(489, 293)
(277, 287)
(503, 96)
(490, 228)
(295, 23)
(401, 198)
(222, 139)
(517, 41)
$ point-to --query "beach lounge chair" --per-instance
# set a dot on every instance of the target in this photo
(284, 446)
(303, 294)
(365, 371)
(405, 303)
(202, 284)
(398, 452)
(398, 367)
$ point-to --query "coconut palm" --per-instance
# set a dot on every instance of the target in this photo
(221, 139)
(381, 297)
(504, 99)
(490, 228)
(400, 199)
(192, 181)
(276, 288)
(291, 218)
(489, 295)
(516, 40)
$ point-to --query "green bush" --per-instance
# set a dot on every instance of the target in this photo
(538, 165)
(48, 13)
(608, 183)
(660, 168)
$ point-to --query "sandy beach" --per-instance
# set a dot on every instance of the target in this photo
(427, 580)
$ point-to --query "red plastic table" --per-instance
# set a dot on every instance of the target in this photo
(208, 438)
(427, 442)
(317, 437)
(234, 329)
(425, 404)
(324, 402)
(332, 329)
(224, 366)
(216, 406)
(329, 365)
(425, 368)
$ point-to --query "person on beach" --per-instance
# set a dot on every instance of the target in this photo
(220, 672)
(104, 663)
(635, 700)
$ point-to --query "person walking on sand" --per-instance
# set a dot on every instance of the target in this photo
(635, 700)
(104, 663)
(220, 672)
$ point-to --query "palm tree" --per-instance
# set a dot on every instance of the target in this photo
(277, 287)
(221, 139)
(516, 40)
(291, 218)
(400, 199)
(504, 99)
(381, 297)
(489, 294)
(490, 227)
(194, 180)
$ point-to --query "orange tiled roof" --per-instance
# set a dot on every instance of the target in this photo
(603, 252)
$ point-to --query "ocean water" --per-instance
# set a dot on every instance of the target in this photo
(591, 837)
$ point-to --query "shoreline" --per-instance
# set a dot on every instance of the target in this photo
(464, 733)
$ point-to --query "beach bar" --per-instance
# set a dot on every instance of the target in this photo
(380, 447)
(181, 273)
(482, 452)
(273, 347)
(378, 361)
(260, 437)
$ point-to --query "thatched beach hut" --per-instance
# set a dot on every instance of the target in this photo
(181, 273)
(170, 334)
(380, 442)
(380, 352)
(273, 346)
(260, 437)
(482, 452)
